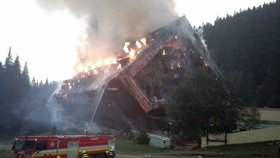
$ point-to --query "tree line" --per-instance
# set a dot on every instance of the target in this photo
(246, 48)
(19, 96)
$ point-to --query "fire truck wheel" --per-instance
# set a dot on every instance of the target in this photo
(101, 156)
(98, 156)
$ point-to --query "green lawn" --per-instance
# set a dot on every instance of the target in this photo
(124, 146)
(5, 145)
(4, 154)
(251, 150)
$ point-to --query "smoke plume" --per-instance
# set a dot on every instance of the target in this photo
(112, 22)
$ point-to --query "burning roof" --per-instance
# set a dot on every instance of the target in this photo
(142, 70)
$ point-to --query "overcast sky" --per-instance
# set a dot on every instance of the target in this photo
(48, 40)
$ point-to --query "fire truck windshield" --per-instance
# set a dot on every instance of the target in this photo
(21, 145)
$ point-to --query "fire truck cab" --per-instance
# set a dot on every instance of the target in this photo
(65, 146)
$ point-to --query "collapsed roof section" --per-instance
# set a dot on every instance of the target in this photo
(177, 42)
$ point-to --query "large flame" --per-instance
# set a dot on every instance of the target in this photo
(138, 44)
(132, 49)
(132, 53)
(125, 48)
(85, 67)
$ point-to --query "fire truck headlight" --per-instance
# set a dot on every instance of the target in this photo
(111, 145)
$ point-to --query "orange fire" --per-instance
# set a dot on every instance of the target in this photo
(163, 52)
(138, 44)
(95, 72)
(144, 41)
(80, 68)
(92, 66)
(129, 48)
(114, 60)
(98, 64)
(107, 62)
(132, 54)
(119, 66)
(125, 48)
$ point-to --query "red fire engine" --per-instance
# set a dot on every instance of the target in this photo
(66, 146)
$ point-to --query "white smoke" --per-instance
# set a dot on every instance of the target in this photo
(112, 22)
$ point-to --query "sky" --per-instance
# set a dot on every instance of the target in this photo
(48, 41)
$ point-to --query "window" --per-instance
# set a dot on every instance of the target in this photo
(21, 145)
(28, 145)
(41, 145)
(18, 145)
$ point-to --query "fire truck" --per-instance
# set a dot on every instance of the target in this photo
(64, 146)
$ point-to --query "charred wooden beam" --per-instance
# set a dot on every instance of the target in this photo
(136, 92)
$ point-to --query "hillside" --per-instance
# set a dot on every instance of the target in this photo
(246, 48)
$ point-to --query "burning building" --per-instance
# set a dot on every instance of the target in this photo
(132, 90)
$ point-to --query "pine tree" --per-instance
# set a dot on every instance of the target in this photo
(248, 44)
(47, 82)
(33, 82)
(9, 61)
(7, 79)
(41, 83)
(15, 80)
(25, 77)
(16, 69)
(1, 68)
(1, 83)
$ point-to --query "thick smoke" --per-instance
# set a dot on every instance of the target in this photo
(112, 22)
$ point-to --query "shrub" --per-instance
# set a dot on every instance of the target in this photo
(142, 138)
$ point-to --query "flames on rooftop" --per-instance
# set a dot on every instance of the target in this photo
(136, 82)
